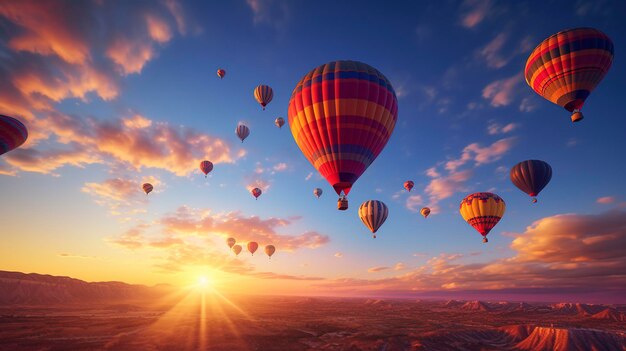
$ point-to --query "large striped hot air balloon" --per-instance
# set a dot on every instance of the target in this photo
(263, 94)
(373, 214)
(242, 131)
(531, 176)
(341, 115)
(12, 133)
(206, 167)
(221, 73)
(482, 211)
(567, 66)
(147, 188)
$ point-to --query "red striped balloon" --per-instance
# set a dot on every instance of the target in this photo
(256, 192)
(341, 115)
(12, 134)
(221, 73)
(263, 94)
(567, 66)
(206, 167)
(147, 188)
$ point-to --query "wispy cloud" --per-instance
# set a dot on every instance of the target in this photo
(502, 92)
(495, 128)
(605, 200)
(473, 12)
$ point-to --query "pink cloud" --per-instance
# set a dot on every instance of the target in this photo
(414, 203)
(482, 155)
(491, 53)
(502, 92)
(338, 254)
(121, 196)
(474, 12)
(377, 269)
(605, 200)
(495, 128)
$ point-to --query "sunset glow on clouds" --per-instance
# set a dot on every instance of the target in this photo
(116, 94)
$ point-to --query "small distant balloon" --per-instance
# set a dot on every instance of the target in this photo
(269, 250)
(147, 188)
(408, 185)
(252, 246)
(12, 134)
(373, 214)
(256, 192)
(531, 176)
(242, 131)
(236, 249)
(221, 73)
(317, 192)
(231, 242)
(206, 167)
(425, 211)
(279, 122)
(263, 94)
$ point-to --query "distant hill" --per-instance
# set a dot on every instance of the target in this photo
(580, 309)
(40, 289)
(475, 306)
(611, 315)
(556, 339)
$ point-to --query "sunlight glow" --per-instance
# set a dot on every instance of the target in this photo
(204, 282)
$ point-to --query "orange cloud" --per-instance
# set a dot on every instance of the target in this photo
(605, 200)
(377, 269)
(565, 253)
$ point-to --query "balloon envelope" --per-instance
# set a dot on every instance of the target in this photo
(242, 132)
(408, 185)
(256, 192)
(425, 211)
(231, 242)
(221, 73)
(482, 211)
(269, 250)
(147, 187)
(373, 214)
(12, 134)
(237, 249)
(317, 192)
(263, 95)
(206, 167)
(252, 246)
(279, 122)
(531, 176)
(568, 65)
(341, 115)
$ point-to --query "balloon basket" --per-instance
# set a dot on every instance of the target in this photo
(342, 204)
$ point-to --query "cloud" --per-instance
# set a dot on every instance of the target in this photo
(528, 105)
(482, 155)
(473, 12)
(605, 200)
(414, 203)
(491, 53)
(399, 266)
(280, 167)
(495, 128)
(69, 255)
(49, 160)
(561, 253)
(121, 196)
(270, 12)
(502, 92)
(444, 187)
(338, 254)
(377, 269)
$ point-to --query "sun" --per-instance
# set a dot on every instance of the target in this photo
(204, 282)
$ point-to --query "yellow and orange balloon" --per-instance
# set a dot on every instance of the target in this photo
(482, 211)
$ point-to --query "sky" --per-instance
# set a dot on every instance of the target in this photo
(118, 93)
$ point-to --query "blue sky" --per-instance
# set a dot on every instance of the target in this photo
(466, 116)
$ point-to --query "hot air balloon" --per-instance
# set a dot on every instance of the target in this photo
(263, 94)
(221, 73)
(236, 249)
(231, 242)
(408, 185)
(12, 134)
(531, 176)
(425, 211)
(341, 115)
(242, 131)
(279, 122)
(317, 192)
(269, 250)
(567, 66)
(482, 211)
(252, 246)
(256, 192)
(373, 214)
(147, 187)
(206, 167)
